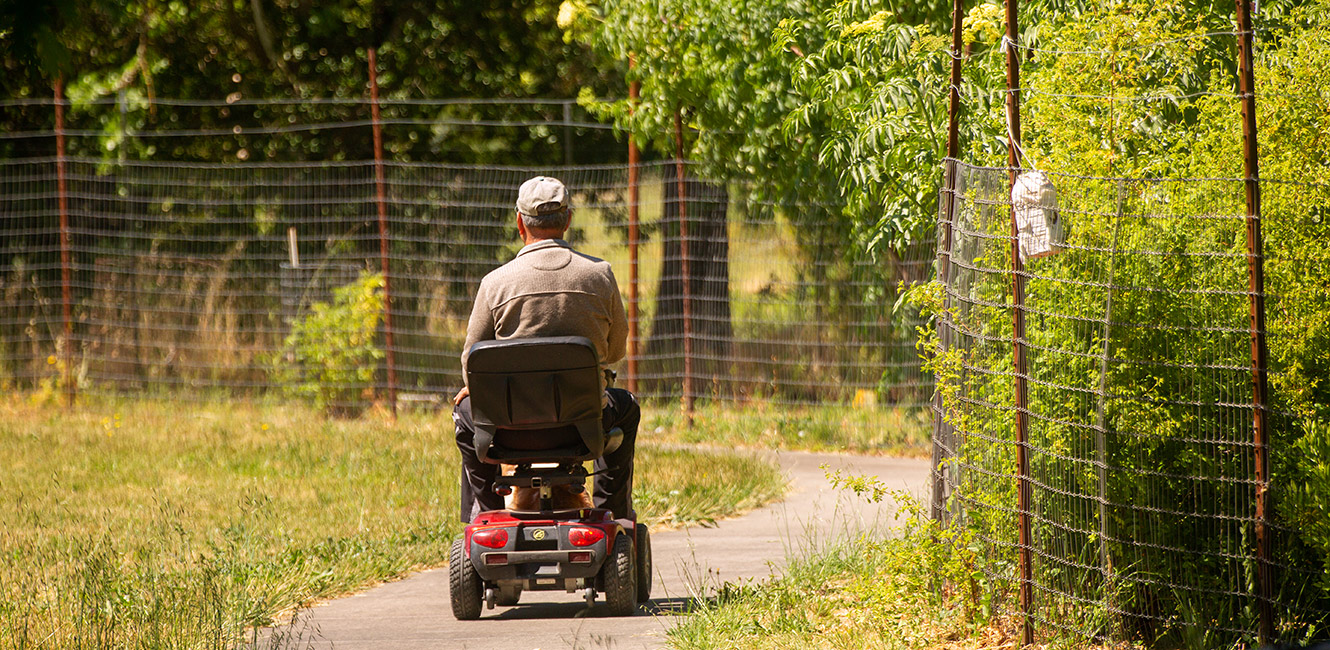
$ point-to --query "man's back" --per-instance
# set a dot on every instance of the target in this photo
(549, 289)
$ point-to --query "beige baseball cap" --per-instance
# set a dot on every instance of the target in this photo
(541, 196)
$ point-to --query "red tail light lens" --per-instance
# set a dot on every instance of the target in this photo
(496, 558)
(585, 536)
(580, 557)
(491, 538)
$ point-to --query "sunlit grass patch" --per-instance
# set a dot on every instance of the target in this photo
(156, 523)
(860, 429)
(138, 522)
(921, 589)
(683, 487)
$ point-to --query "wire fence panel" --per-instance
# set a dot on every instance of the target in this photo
(1296, 217)
(1140, 403)
(207, 277)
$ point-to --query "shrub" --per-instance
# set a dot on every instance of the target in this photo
(331, 353)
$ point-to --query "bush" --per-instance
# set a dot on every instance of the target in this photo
(331, 353)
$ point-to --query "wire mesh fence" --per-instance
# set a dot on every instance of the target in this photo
(242, 129)
(1141, 456)
(200, 278)
(226, 277)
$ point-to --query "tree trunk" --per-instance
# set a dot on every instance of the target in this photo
(709, 283)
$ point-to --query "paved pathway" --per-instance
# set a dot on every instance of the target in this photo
(414, 613)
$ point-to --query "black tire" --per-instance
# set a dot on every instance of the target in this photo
(643, 547)
(619, 576)
(508, 596)
(464, 585)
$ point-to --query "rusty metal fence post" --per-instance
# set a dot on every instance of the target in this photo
(634, 334)
(389, 348)
(66, 256)
(938, 504)
(688, 396)
(1260, 357)
(1018, 332)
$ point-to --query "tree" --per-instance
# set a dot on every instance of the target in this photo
(240, 51)
(836, 107)
(119, 61)
(708, 281)
(689, 61)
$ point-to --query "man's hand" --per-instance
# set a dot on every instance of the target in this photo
(461, 394)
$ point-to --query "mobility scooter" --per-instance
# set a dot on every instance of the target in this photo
(536, 404)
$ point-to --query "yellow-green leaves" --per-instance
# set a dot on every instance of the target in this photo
(982, 24)
(874, 24)
(576, 19)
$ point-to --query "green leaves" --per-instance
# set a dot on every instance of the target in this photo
(332, 352)
(879, 89)
(226, 50)
(982, 23)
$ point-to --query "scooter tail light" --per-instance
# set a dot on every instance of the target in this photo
(585, 536)
(492, 538)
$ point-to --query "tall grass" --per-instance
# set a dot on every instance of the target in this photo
(138, 522)
(154, 523)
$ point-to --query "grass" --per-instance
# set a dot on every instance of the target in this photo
(677, 487)
(153, 523)
(866, 429)
(920, 589)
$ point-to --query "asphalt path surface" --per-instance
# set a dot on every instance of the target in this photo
(414, 613)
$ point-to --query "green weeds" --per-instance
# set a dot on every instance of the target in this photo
(332, 352)
(924, 588)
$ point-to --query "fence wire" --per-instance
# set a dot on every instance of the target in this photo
(184, 278)
(1140, 444)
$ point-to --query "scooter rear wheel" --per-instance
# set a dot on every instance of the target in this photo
(619, 576)
(465, 587)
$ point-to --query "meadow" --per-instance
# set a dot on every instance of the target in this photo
(152, 523)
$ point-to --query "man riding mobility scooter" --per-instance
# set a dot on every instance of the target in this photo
(536, 404)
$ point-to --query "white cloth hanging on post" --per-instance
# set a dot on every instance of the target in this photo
(1039, 224)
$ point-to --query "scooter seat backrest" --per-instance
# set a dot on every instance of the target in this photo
(543, 395)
